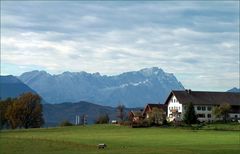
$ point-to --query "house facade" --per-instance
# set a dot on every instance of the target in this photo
(203, 102)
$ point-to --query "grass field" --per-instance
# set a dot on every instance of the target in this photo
(119, 139)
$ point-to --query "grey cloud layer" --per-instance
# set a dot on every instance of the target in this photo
(197, 41)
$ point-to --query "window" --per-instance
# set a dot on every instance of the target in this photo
(179, 107)
(199, 108)
(209, 115)
(236, 116)
(209, 108)
(201, 115)
(203, 108)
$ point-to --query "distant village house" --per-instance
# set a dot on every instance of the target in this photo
(138, 116)
(149, 107)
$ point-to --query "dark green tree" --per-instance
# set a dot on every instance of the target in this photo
(190, 115)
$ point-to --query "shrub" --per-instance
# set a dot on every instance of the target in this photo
(66, 123)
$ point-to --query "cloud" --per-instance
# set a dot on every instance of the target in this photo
(197, 41)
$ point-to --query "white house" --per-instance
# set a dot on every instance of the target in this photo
(203, 102)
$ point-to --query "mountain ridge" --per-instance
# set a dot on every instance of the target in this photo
(134, 89)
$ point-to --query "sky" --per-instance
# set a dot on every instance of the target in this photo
(198, 41)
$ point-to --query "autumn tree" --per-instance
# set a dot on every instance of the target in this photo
(4, 104)
(12, 115)
(222, 111)
(190, 115)
(26, 112)
(157, 116)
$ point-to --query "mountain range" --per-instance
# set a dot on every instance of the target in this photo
(133, 89)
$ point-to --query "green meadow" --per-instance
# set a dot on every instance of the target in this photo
(119, 139)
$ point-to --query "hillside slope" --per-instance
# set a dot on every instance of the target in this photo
(56, 113)
(11, 86)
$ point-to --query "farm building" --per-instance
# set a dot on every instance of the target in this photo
(149, 107)
(137, 116)
(203, 102)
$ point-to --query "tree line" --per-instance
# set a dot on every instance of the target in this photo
(24, 111)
